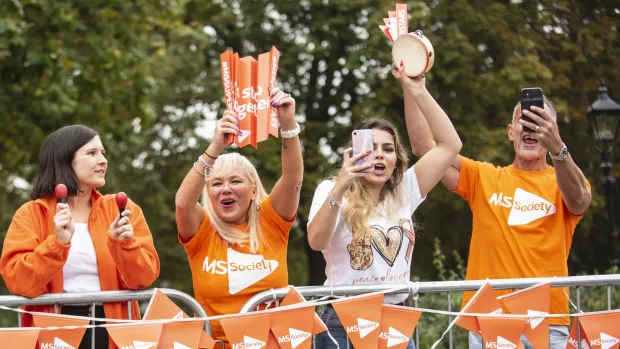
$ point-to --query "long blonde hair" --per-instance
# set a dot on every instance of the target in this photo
(360, 205)
(238, 164)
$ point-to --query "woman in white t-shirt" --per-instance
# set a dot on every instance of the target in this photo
(361, 221)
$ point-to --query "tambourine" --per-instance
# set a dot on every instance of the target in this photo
(415, 51)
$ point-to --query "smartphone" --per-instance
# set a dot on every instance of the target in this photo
(363, 141)
(531, 96)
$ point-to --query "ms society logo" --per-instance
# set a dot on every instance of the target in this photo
(244, 270)
(525, 207)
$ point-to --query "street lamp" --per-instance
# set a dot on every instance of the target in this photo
(604, 116)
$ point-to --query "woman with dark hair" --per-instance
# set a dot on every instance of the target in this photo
(361, 218)
(83, 245)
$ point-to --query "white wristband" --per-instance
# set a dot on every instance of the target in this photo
(290, 133)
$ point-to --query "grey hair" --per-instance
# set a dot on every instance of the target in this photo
(554, 114)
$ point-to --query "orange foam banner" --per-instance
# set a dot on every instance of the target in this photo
(62, 338)
(247, 331)
(397, 326)
(361, 318)
(483, 302)
(247, 83)
(161, 307)
(135, 335)
(536, 303)
(293, 328)
(602, 329)
(501, 332)
(23, 338)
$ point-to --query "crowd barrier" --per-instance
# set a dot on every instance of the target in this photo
(94, 298)
(447, 287)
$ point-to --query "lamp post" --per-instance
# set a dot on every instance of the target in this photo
(604, 116)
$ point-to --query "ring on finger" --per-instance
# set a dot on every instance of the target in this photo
(537, 127)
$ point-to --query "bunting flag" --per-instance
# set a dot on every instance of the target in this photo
(135, 335)
(602, 329)
(574, 339)
(63, 338)
(293, 297)
(534, 301)
(397, 326)
(161, 307)
(501, 332)
(483, 302)
(247, 331)
(181, 335)
(293, 328)
(247, 82)
(23, 338)
(361, 318)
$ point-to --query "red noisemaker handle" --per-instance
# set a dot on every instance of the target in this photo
(61, 193)
(121, 201)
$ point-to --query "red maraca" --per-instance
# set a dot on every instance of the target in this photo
(121, 201)
(61, 193)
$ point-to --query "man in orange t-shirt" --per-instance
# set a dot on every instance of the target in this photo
(524, 215)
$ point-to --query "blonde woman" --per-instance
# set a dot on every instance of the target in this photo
(236, 244)
(361, 220)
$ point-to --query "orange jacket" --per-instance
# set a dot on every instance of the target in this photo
(32, 257)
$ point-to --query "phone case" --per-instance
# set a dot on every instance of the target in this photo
(363, 141)
(531, 97)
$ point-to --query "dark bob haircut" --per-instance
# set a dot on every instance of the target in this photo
(57, 153)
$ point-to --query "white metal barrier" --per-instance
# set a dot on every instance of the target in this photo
(94, 298)
(447, 287)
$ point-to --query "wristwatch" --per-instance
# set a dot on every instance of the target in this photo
(562, 156)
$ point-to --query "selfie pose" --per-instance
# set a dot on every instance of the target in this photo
(524, 215)
(83, 245)
(238, 224)
(361, 218)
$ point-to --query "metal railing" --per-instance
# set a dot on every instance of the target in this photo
(94, 298)
(448, 287)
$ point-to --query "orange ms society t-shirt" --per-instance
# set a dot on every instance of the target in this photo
(521, 227)
(225, 276)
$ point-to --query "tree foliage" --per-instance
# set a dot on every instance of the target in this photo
(145, 74)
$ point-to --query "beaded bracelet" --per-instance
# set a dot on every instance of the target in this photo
(332, 201)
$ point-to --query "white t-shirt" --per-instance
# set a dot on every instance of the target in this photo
(385, 256)
(80, 273)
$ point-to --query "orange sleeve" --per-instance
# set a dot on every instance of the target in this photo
(468, 178)
(276, 227)
(136, 259)
(28, 262)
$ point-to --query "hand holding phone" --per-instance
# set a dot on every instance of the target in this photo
(363, 141)
(531, 96)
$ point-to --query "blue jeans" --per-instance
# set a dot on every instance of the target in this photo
(334, 326)
(558, 336)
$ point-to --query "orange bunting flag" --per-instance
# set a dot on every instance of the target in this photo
(23, 338)
(247, 83)
(574, 339)
(293, 328)
(397, 326)
(293, 297)
(66, 339)
(483, 302)
(534, 301)
(602, 329)
(161, 307)
(502, 332)
(361, 318)
(135, 335)
(181, 335)
(247, 331)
